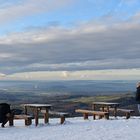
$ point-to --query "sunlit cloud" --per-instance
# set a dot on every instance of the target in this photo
(123, 74)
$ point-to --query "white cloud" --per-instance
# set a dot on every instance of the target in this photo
(2, 75)
(6, 55)
(24, 8)
(88, 46)
(130, 2)
(122, 74)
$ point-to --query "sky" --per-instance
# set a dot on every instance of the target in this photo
(70, 39)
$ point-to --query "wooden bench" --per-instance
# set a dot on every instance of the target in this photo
(127, 112)
(94, 113)
(62, 115)
(27, 118)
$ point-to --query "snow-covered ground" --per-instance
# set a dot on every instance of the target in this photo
(75, 129)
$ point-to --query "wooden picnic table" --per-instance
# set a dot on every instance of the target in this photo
(36, 108)
(106, 105)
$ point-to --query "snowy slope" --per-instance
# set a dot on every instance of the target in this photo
(75, 129)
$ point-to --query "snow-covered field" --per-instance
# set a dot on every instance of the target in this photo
(75, 129)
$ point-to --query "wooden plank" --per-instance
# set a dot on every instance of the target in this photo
(91, 111)
(58, 113)
(126, 111)
(27, 118)
(62, 120)
(36, 112)
(62, 115)
(94, 113)
(55, 113)
(122, 110)
(22, 117)
(46, 117)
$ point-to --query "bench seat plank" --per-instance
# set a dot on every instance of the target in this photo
(58, 113)
(23, 117)
(94, 113)
(27, 118)
(128, 112)
(62, 115)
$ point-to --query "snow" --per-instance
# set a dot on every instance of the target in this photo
(75, 129)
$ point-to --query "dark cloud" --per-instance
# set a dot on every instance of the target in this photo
(82, 48)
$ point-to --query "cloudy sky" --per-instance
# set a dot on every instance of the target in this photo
(70, 39)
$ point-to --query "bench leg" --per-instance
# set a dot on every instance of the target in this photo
(85, 116)
(62, 120)
(106, 116)
(11, 120)
(127, 115)
(103, 109)
(100, 116)
(94, 117)
(94, 107)
(36, 116)
(28, 121)
(115, 112)
(46, 117)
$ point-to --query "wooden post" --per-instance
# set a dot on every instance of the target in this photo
(46, 116)
(103, 109)
(115, 111)
(11, 120)
(127, 115)
(36, 116)
(94, 116)
(107, 108)
(85, 116)
(62, 119)
(28, 121)
(107, 116)
(94, 107)
(25, 108)
(100, 116)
